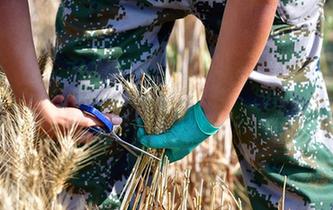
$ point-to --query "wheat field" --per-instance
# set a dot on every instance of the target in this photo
(213, 168)
(207, 179)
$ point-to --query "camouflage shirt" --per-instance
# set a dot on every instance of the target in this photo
(281, 122)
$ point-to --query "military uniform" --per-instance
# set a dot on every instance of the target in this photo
(281, 122)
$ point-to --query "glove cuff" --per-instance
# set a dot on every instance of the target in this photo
(203, 123)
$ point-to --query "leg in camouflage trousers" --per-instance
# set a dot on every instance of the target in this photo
(281, 122)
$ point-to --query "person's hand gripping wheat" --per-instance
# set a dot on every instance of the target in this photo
(242, 38)
(184, 135)
(19, 62)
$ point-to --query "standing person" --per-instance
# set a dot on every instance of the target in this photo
(281, 120)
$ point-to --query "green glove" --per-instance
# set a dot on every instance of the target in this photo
(187, 133)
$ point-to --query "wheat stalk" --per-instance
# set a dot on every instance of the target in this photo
(34, 168)
(159, 107)
(148, 187)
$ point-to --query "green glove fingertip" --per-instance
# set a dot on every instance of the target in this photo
(139, 121)
(144, 140)
(153, 141)
(203, 123)
(140, 132)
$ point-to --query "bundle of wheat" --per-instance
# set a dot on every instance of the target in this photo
(34, 168)
(158, 108)
(149, 186)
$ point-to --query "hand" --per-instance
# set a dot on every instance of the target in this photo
(52, 115)
(187, 133)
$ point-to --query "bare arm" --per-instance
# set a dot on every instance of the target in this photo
(18, 58)
(243, 35)
(17, 54)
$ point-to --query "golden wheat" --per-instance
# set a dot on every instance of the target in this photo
(34, 168)
(149, 186)
(155, 105)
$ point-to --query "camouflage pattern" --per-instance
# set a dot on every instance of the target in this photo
(282, 123)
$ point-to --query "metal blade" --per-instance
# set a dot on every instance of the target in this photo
(105, 135)
(134, 147)
(126, 144)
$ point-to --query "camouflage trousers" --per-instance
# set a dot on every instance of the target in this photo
(281, 122)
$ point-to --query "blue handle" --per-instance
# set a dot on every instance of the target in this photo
(108, 126)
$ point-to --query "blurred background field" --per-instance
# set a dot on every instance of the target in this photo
(327, 52)
(188, 63)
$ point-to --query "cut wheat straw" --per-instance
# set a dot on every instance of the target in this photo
(159, 107)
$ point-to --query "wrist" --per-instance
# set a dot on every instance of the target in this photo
(45, 108)
(212, 116)
(203, 122)
(31, 96)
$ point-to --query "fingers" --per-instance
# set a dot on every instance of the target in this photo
(87, 138)
(140, 133)
(115, 119)
(178, 154)
(71, 101)
(76, 116)
(175, 155)
(166, 140)
(139, 121)
(58, 100)
(67, 118)
(86, 120)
